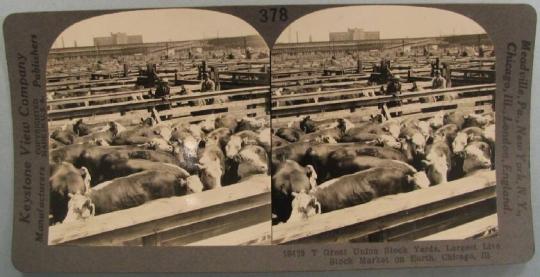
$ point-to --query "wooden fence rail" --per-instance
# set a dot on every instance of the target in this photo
(356, 98)
(408, 216)
(191, 219)
(251, 98)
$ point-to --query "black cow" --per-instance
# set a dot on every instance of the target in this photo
(289, 178)
(65, 180)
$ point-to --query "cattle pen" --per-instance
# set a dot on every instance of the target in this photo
(236, 215)
(111, 106)
(432, 213)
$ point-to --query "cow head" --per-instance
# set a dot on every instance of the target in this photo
(418, 143)
(101, 142)
(393, 128)
(164, 132)
(265, 136)
(149, 121)
(209, 124)
(251, 123)
(436, 169)
(307, 125)
(437, 121)
(477, 155)
(80, 207)
(233, 146)
(459, 143)
(116, 128)
(159, 144)
(325, 139)
(344, 125)
(389, 141)
(303, 206)
(424, 128)
(194, 184)
(252, 160)
(476, 120)
(189, 146)
(419, 180)
(210, 174)
(377, 118)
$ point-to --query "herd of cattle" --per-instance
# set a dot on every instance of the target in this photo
(326, 165)
(101, 168)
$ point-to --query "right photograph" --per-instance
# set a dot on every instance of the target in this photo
(383, 127)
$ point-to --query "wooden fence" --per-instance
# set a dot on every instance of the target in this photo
(217, 216)
(246, 101)
(470, 98)
(406, 216)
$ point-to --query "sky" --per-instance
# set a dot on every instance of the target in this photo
(156, 26)
(391, 21)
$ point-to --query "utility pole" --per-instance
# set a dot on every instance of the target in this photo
(289, 35)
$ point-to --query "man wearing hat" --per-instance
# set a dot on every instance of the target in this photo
(438, 81)
(207, 84)
(162, 89)
(393, 87)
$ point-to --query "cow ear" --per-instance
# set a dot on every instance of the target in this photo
(294, 193)
(199, 166)
(426, 163)
(70, 195)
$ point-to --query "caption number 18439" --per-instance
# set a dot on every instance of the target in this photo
(273, 15)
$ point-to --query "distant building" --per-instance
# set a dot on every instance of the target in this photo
(354, 34)
(117, 39)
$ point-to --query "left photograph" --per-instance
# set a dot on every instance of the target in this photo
(159, 131)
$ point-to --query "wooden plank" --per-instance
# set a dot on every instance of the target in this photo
(259, 234)
(462, 102)
(149, 103)
(350, 223)
(150, 218)
(436, 222)
(371, 101)
(186, 110)
(215, 226)
(283, 121)
(466, 231)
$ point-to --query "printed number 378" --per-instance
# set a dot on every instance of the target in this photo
(273, 15)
